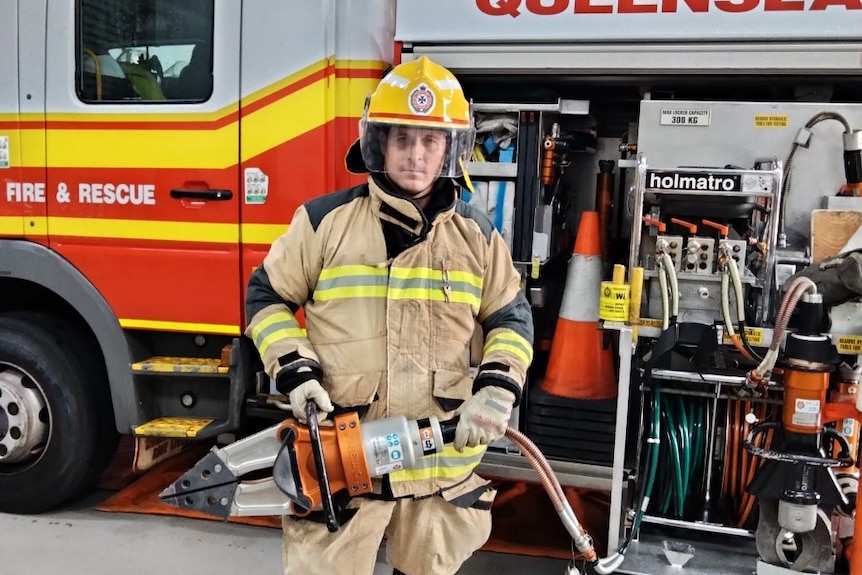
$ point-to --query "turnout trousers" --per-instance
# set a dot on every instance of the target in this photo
(427, 536)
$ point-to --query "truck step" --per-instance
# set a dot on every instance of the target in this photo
(185, 427)
(163, 364)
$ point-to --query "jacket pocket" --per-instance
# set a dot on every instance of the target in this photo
(352, 370)
(355, 389)
(451, 388)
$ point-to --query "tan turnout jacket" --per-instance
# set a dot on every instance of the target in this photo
(391, 302)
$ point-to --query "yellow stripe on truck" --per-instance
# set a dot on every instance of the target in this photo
(144, 230)
(261, 233)
(19, 226)
(12, 226)
(285, 119)
(83, 148)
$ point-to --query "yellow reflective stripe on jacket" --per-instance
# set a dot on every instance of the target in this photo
(427, 284)
(352, 281)
(448, 464)
(279, 325)
(511, 343)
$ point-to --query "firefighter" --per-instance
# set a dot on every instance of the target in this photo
(394, 276)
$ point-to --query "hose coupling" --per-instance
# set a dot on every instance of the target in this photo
(753, 385)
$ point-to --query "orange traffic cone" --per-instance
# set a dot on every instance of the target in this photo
(579, 366)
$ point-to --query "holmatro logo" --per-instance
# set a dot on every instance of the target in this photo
(689, 181)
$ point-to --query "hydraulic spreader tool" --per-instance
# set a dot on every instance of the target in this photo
(317, 469)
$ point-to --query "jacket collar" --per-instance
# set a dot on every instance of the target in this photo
(400, 210)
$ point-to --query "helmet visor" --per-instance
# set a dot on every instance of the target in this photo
(437, 152)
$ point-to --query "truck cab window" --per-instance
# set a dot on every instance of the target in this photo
(149, 51)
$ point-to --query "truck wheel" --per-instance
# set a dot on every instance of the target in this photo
(48, 420)
(88, 356)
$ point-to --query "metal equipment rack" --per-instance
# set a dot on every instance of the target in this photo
(763, 186)
(762, 189)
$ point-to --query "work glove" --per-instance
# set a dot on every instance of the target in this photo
(838, 279)
(484, 417)
(310, 390)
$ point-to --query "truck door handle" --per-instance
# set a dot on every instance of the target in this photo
(216, 195)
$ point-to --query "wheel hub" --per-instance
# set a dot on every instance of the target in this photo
(23, 417)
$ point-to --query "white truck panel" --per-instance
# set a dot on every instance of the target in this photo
(537, 21)
(31, 57)
(841, 58)
(297, 34)
(365, 29)
(9, 57)
(281, 38)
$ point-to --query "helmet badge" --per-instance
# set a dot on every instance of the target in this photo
(421, 100)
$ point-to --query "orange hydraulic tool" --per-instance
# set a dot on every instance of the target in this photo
(797, 479)
(555, 148)
(846, 391)
(549, 160)
(314, 467)
(837, 412)
(322, 461)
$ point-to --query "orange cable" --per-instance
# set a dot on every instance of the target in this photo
(737, 343)
(734, 455)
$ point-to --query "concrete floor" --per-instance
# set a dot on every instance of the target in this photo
(78, 540)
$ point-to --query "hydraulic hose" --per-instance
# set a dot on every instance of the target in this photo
(674, 436)
(730, 274)
(686, 440)
(740, 309)
(665, 302)
(674, 286)
(683, 455)
(788, 164)
(756, 377)
(583, 542)
(725, 312)
(650, 466)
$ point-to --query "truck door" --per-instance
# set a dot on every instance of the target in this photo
(142, 154)
(289, 81)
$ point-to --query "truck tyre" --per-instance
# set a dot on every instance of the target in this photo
(88, 356)
(48, 420)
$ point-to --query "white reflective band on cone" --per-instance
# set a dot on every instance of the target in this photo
(581, 298)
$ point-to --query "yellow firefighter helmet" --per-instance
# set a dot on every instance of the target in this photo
(419, 94)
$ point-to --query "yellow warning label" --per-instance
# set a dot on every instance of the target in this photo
(614, 302)
(650, 322)
(534, 269)
(752, 334)
(849, 344)
(770, 121)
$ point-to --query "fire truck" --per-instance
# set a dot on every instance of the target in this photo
(151, 151)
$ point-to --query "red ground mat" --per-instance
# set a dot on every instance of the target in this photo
(142, 495)
(524, 522)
